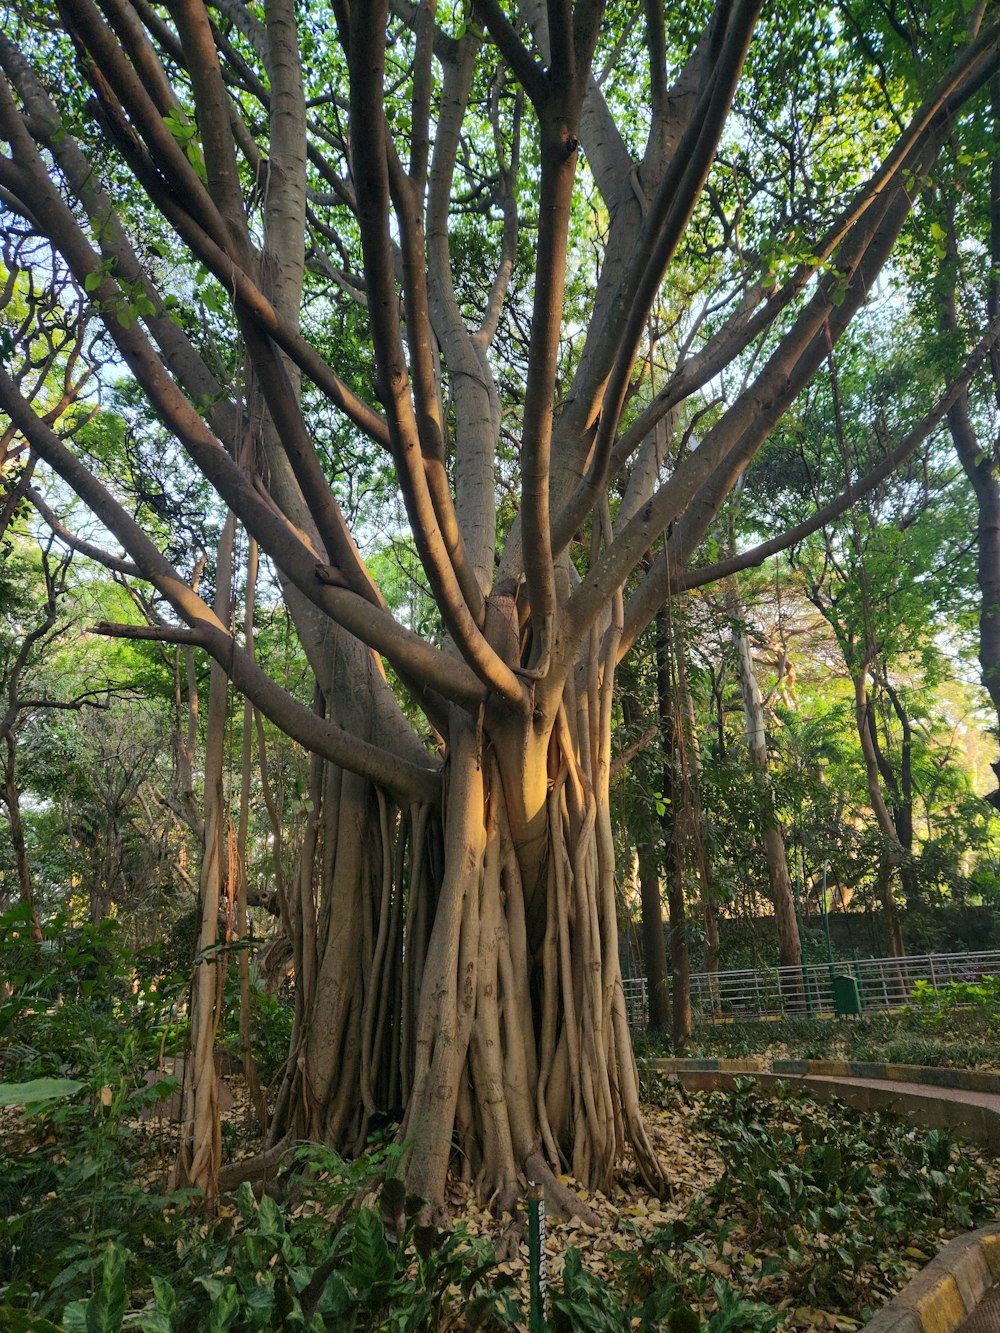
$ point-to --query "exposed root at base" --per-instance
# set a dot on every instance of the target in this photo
(257, 1170)
(559, 1198)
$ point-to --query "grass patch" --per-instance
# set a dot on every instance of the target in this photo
(956, 1038)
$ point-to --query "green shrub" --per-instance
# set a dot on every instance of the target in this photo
(260, 1267)
(71, 1172)
(831, 1196)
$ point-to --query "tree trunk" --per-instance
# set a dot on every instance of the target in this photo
(702, 861)
(12, 800)
(257, 1100)
(200, 1154)
(674, 829)
(980, 462)
(654, 947)
(471, 969)
(789, 949)
(890, 912)
(892, 852)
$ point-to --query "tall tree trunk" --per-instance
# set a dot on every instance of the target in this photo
(890, 912)
(691, 749)
(979, 463)
(902, 808)
(892, 852)
(200, 1154)
(12, 800)
(654, 946)
(471, 969)
(789, 948)
(673, 826)
(257, 1100)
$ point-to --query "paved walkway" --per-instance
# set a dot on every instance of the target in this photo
(991, 1100)
(985, 1318)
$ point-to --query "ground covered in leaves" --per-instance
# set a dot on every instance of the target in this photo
(785, 1214)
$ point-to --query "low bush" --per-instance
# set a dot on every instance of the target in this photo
(73, 1168)
(834, 1200)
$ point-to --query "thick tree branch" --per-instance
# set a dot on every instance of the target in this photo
(292, 717)
(681, 580)
(366, 41)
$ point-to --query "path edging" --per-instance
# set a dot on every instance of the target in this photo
(935, 1076)
(948, 1290)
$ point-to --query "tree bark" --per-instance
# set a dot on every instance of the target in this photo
(702, 860)
(199, 1156)
(789, 948)
(654, 947)
(12, 800)
(674, 828)
(257, 1099)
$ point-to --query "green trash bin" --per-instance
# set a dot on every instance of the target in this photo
(846, 996)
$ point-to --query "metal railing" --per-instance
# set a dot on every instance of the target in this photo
(883, 984)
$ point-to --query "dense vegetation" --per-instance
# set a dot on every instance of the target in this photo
(815, 1209)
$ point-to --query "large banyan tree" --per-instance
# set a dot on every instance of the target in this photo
(553, 267)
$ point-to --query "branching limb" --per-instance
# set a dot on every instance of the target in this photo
(366, 40)
(659, 583)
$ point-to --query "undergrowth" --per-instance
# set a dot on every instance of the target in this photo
(960, 1035)
(816, 1205)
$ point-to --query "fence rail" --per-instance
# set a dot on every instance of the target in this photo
(883, 984)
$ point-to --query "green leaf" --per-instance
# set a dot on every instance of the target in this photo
(17, 1321)
(74, 1318)
(155, 1321)
(106, 1308)
(164, 1296)
(38, 1090)
(371, 1258)
(683, 1319)
(224, 1309)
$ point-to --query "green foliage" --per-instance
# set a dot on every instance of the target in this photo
(265, 1268)
(983, 996)
(817, 1194)
(37, 1093)
(952, 1037)
(271, 1020)
(586, 1304)
(833, 1194)
(76, 1038)
(105, 1310)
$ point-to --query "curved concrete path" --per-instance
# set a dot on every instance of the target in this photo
(922, 1096)
(985, 1318)
(959, 1290)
